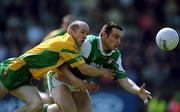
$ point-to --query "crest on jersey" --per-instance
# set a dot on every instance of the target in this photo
(111, 61)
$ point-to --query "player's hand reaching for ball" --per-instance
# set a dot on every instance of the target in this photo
(144, 94)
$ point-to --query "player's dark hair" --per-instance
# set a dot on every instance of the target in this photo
(108, 28)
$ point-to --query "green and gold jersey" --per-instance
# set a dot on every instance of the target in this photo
(47, 56)
(95, 56)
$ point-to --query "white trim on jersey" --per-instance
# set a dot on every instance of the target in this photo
(119, 62)
(86, 49)
(101, 48)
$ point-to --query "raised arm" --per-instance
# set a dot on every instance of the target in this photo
(131, 87)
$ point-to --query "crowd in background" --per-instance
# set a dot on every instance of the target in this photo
(24, 23)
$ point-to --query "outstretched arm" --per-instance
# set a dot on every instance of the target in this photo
(131, 87)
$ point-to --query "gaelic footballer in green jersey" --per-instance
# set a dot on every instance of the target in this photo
(95, 56)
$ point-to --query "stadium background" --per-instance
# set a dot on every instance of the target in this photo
(23, 24)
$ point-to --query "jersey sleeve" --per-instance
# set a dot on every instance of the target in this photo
(119, 69)
(86, 49)
(72, 56)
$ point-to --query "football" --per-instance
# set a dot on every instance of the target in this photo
(167, 39)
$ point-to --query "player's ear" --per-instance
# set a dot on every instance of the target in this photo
(71, 32)
(104, 34)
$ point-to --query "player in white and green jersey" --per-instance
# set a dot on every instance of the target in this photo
(95, 56)
(98, 51)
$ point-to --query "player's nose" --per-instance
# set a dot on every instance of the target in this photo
(83, 39)
(118, 42)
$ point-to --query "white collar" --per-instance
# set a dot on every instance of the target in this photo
(101, 48)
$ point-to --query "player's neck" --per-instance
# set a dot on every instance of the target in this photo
(105, 47)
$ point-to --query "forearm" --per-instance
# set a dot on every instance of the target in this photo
(68, 75)
(129, 86)
(90, 71)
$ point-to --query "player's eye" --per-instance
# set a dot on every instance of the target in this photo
(116, 36)
(84, 32)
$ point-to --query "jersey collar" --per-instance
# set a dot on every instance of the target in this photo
(72, 40)
(101, 48)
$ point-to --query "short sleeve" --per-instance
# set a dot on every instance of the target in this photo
(119, 69)
(86, 49)
(72, 56)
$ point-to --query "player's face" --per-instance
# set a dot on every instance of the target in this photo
(80, 34)
(114, 39)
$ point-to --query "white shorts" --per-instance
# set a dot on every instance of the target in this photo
(53, 82)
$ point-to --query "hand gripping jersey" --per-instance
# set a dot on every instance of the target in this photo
(44, 57)
(96, 57)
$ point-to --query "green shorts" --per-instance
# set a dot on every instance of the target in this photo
(14, 79)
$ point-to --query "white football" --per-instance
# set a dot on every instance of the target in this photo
(167, 39)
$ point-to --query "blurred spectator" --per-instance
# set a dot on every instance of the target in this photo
(172, 13)
(14, 36)
(63, 27)
(157, 104)
(35, 32)
(174, 104)
(3, 51)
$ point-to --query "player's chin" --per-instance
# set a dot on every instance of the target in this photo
(114, 47)
(80, 44)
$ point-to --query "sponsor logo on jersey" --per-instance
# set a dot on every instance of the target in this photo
(95, 65)
(111, 61)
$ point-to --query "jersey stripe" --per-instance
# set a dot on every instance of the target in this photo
(74, 60)
(41, 60)
(68, 51)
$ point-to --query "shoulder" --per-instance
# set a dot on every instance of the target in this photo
(90, 41)
(60, 42)
(91, 37)
(117, 52)
(88, 45)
